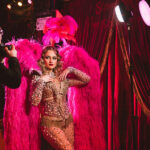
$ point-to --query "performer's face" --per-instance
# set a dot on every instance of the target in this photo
(50, 59)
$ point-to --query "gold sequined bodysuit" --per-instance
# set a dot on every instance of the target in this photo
(56, 120)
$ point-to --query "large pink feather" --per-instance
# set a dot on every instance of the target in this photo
(85, 102)
(21, 120)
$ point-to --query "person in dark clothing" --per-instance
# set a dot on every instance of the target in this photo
(10, 77)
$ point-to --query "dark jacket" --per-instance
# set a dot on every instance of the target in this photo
(10, 77)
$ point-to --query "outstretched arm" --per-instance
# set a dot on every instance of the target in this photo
(82, 78)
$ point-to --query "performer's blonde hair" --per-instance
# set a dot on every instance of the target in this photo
(58, 69)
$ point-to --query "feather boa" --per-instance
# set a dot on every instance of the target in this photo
(21, 120)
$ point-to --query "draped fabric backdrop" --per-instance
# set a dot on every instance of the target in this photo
(107, 41)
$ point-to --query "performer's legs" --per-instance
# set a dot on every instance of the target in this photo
(57, 138)
(69, 132)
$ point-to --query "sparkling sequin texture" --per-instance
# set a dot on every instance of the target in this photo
(56, 120)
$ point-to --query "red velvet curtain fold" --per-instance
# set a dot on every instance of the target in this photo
(100, 36)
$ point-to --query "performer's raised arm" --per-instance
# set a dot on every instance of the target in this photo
(82, 78)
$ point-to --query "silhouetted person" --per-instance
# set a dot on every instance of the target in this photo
(10, 77)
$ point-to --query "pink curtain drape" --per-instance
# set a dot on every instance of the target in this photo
(99, 33)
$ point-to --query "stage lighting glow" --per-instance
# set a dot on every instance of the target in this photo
(19, 4)
(119, 14)
(8, 6)
(30, 1)
(145, 12)
(123, 14)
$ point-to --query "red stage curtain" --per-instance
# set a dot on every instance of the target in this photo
(107, 41)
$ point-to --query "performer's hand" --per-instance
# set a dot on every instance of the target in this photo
(12, 52)
(46, 78)
(64, 74)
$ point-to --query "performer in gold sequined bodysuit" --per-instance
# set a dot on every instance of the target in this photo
(49, 91)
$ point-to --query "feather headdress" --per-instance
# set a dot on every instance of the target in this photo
(62, 27)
